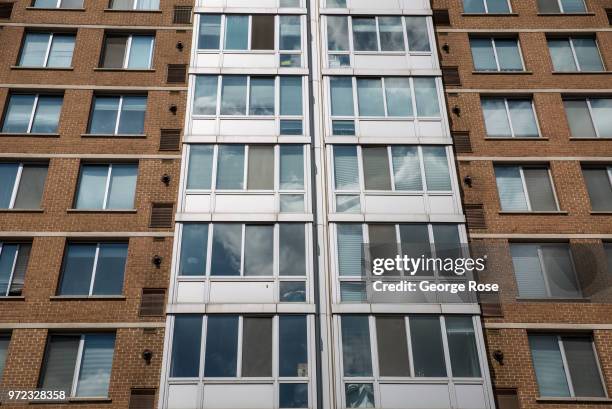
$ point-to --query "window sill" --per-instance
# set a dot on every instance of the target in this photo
(132, 11)
(586, 13)
(126, 136)
(86, 297)
(12, 298)
(55, 9)
(102, 69)
(119, 211)
(575, 400)
(601, 212)
(526, 213)
(31, 135)
(518, 138)
(22, 210)
(554, 300)
(21, 67)
(489, 14)
(590, 138)
(581, 72)
(502, 72)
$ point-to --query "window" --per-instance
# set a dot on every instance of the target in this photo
(107, 186)
(561, 6)
(242, 347)
(13, 265)
(59, 4)
(526, 189)
(5, 340)
(590, 117)
(509, 118)
(32, 113)
(575, 54)
(544, 271)
(336, 3)
(79, 365)
(496, 54)
(134, 4)
(23, 185)
(385, 97)
(566, 365)
(486, 6)
(118, 115)
(93, 269)
(50, 50)
(599, 185)
(131, 52)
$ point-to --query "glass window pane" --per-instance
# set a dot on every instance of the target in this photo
(437, 175)
(498, 6)
(96, 364)
(337, 33)
(391, 33)
(292, 254)
(392, 346)
(291, 127)
(359, 395)
(45, 3)
(4, 344)
(587, 54)
(376, 168)
(341, 96)
(462, 346)
(186, 341)
(561, 54)
(348, 204)
(426, 95)
(61, 51)
(199, 175)
(579, 118)
(370, 97)
(600, 190)
(92, 186)
(539, 189)
(114, 51)
(260, 174)
(226, 250)
(147, 5)
(7, 261)
(292, 291)
(289, 3)
(290, 96)
(522, 118)
(356, 352)
(233, 95)
(292, 203)
(548, 6)
(350, 249)
(346, 170)
(110, 269)
(60, 363)
(583, 367)
(140, 52)
(257, 347)
(132, 116)
(293, 395)
(31, 187)
(559, 269)
(364, 34)
(122, 4)
(382, 241)
(259, 250)
(122, 187)
(221, 346)
(427, 350)
(573, 6)
(236, 32)
(292, 167)
(548, 365)
(210, 32)
(8, 174)
(262, 32)
(528, 270)
(34, 50)
(104, 115)
(510, 188)
(473, 6)
(293, 346)
(18, 113)
(194, 248)
(508, 54)
(68, 4)
(418, 37)
(602, 116)
(406, 168)
(230, 167)
(483, 54)
(399, 99)
(353, 291)
(205, 98)
(262, 96)
(47, 115)
(336, 3)
(77, 269)
(290, 33)
(496, 117)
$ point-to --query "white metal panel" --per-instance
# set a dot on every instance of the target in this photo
(236, 203)
(247, 396)
(391, 128)
(431, 128)
(394, 204)
(250, 60)
(422, 62)
(253, 127)
(203, 127)
(190, 292)
(208, 60)
(183, 397)
(376, 61)
(244, 292)
(414, 396)
(379, 4)
(197, 203)
(442, 204)
(470, 397)
(251, 3)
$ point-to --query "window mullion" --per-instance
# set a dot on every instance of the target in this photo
(384, 92)
(560, 3)
(565, 366)
(107, 186)
(94, 269)
(16, 186)
(219, 90)
(77, 366)
(446, 351)
(409, 340)
(208, 249)
(526, 192)
(242, 247)
(391, 170)
(33, 113)
(486, 6)
(48, 51)
(592, 118)
(245, 170)
(544, 271)
(119, 109)
(250, 32)
(576, 61)
(135, 7)
(507, 106)
(495, 56)
(126, 55)
(421, 159)
(203, 347)
(13, 264)
(248, 96)
(215, 168)
(378, 40)
(240, 341)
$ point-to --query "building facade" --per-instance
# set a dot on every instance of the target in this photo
(528, 84)
(92, 95)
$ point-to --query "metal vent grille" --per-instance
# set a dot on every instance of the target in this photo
(182, 15)
(441, 17)
(170, 140)
(142, 399)
(450, 76)
(177, 73)
(474, 215)
(490, 305)
(462, 142)
(161, 215)
(152, 302)
(5, 10)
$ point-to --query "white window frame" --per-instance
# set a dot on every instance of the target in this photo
(128, 48)
(108, 179)
(494, 46)
(509, 118)
(377, 380)
(524, 185)
(48, 51)
(591, 116)
(11, 276)
(486, 7)
(570, 39)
